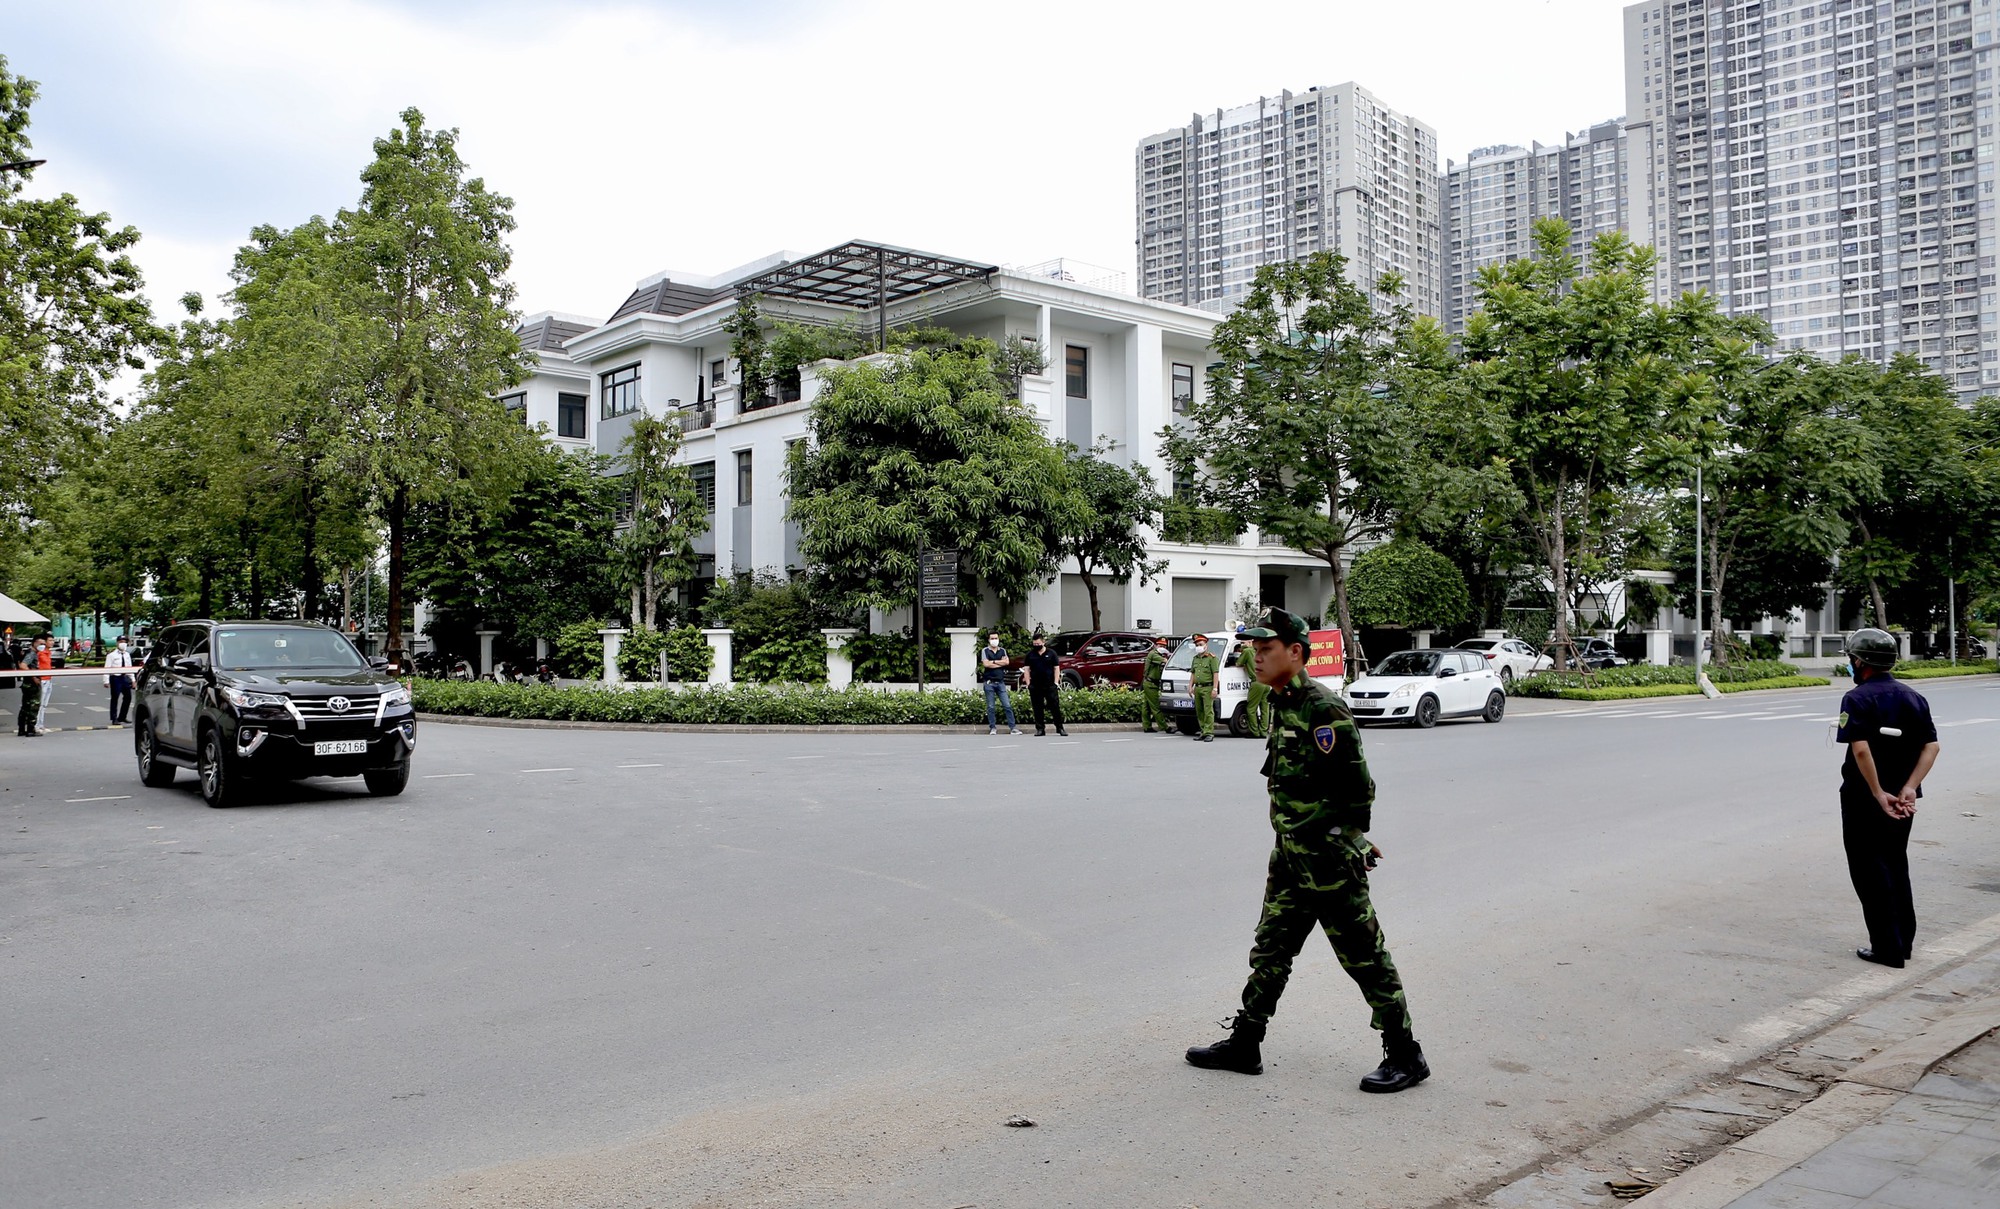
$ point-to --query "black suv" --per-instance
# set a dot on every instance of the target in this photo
(280, 699)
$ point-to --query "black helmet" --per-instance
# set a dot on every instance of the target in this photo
(1872, 648)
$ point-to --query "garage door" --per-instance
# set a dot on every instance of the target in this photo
(1200, 604)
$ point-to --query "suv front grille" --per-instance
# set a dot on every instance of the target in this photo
(316, 710)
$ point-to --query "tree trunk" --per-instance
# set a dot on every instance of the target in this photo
(256, 588)
(310, 582)
(636, 606)
(652, 582)
(399, 509)
(204, 605)
(1559, 564)
(1089, 586)
(1354, 655)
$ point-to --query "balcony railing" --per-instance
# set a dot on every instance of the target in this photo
(694, 419)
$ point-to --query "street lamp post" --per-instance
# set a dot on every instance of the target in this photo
(21, 165)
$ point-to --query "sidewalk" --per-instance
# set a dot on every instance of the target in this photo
(1894, 1103)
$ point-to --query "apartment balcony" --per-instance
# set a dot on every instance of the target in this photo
(697, 418)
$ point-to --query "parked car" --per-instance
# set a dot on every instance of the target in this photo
(286, 700)
(1420, 687)
(1597, 654)
(1510, 658)
(1090, 657)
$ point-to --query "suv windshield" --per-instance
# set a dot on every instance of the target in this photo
(255, 649)
(1409, 663)
(1067, 644)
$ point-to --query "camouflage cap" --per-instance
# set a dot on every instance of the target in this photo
(1276, 623)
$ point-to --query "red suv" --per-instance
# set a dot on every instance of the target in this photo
(1090, 657)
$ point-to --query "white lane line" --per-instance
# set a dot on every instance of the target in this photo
(548, 770)
(818, 757)
(744, 761)
(1967, 722)
(638, 766)
(1783, 717)
(1132, 740)
(446, 776)
(120, 797)
(931, 751)
(1065, 742)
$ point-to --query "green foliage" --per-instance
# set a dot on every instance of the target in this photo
(1194, 525)
(1685, 690)
(751, 705)
(1326, 421)
(891, 658)
(1646, 675)
(796, 660)
(1931, 669)
(664, 515)
(1406, 583)
(71, 320)
(689, 656)
(1107, 535)
(543, 560)
(578, 651)
(932, 449)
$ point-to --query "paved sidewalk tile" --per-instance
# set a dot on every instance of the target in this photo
(1936, 1148)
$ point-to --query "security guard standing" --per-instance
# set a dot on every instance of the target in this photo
(1891, 746)
(1321, 796)
(1203, 675)
(1149, 688)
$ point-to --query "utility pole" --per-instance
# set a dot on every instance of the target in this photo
(1701, 679)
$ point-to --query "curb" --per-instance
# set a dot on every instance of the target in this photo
(1857, 1097)
(745, 728)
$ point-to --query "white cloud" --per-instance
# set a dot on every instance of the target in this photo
(638, 136)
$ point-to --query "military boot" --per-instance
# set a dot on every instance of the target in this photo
(1238, 1051)
(1402, 1066)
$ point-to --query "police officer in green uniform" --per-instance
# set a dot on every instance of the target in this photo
(1257, 709)
(1203, 675)
(1149, 688)
(1321, 796)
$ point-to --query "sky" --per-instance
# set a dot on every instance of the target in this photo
(644, 135)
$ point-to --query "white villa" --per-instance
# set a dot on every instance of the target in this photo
(1119, 368)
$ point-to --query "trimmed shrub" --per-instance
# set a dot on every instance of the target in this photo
(578, 652)
(1406, 584)
(1687, 690)
(1931, 669)
(1646, 675)
(799, 660)
(745, 704)
(891, 658)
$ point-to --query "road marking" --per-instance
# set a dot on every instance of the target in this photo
(121, 797)
(446, 776)
(931, 751)
(638, 766)
(1121, 740)
(818, 757)
(1967, 722)
(745, 761)
(1065, 742)
(548, 770)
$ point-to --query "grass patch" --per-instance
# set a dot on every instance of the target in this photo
(1931, 669)
(1646, 675)
(1631, 692)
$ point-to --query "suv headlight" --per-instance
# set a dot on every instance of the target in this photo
(395, 696)
(1404, 690)
(246, 700)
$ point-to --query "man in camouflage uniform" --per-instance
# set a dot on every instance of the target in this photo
(1257, 708)
(1149, 688)
(1321, 795)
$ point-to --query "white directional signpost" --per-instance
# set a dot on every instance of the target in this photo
(937, 588)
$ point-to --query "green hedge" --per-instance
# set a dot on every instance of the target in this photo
(1646, 675)
(748, 704)
(1689, 690)
(1930, 669)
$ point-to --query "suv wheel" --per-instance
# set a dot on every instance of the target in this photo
(1072, 680)
(387, 782)
(1427, 712)
(1496, 707)
(218, 777)
(154, 773)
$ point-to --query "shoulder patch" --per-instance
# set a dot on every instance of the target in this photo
(1843, 717)
(1323, 738)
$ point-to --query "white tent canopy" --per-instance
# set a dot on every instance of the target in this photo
(12, 610)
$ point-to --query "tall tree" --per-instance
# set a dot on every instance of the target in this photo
(429, 249)
(664, 514)
(930, 449)
(1313, 427)
(71, 320)
(1116, 505)
(1587, 373)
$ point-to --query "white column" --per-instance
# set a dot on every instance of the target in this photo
(1423, 638)
(613, 639)
(839, 665)
(486, 638)
(541, 650)
(964, 655)
(1659, 647)
(1902, 644)
(718, 645)
(1146, 404)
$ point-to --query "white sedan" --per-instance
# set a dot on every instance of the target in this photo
(1419, 687)
(1510, 657)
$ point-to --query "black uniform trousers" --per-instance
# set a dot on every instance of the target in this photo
(1878, 861)
(1045, 697)
(121, 699)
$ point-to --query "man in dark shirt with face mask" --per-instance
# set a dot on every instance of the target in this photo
(1891, 745)
(1043, 687)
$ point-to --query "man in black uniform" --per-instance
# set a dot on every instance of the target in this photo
(1043, 687)
(1891, 745)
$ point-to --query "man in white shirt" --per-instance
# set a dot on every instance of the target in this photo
(121, 686)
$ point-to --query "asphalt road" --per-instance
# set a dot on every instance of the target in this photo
(629, 969)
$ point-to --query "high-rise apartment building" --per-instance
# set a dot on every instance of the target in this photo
(1328, 169)
(1494, 199)
(1827, 164)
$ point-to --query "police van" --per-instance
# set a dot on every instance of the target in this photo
(1325, 664)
